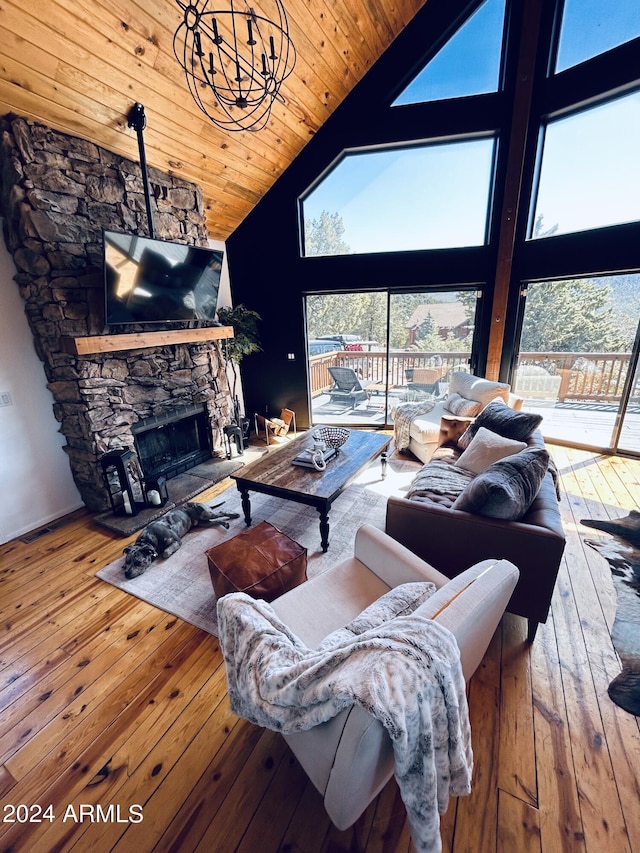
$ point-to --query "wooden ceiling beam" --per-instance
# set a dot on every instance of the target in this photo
(523, 94)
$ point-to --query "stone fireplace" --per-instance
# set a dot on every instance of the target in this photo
(57, 193)
(168, 445)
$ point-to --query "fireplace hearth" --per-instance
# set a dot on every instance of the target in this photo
(171, 444)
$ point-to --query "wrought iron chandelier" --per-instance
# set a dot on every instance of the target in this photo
(235, 59)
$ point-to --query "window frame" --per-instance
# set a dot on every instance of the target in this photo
(433, 142)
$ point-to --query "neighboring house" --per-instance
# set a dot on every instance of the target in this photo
(449, 320)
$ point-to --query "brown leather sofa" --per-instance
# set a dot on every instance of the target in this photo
(452, 540)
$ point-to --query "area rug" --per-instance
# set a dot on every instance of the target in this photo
(181, 585)
(622, 552)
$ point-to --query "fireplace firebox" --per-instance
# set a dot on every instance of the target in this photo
(168, 445)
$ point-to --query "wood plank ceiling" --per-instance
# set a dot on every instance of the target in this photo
(79, 65)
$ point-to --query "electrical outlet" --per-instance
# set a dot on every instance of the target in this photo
(5, 399)
(291, 356)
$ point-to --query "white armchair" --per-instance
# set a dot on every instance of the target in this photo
(350, 758)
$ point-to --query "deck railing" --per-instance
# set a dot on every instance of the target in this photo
(372, 366)
(597, 377)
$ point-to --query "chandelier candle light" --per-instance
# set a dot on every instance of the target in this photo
(235, 59)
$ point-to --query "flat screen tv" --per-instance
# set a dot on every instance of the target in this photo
(156, 281)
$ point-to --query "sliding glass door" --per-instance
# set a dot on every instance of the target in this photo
(577, 361)
(628, 436)
(369, 352)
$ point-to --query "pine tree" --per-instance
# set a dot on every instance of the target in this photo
(323, 236)
(570, 316)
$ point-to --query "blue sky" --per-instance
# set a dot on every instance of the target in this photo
(468, 64)
(413, 198)
(590, 27)
(435, 196)
(590, 174)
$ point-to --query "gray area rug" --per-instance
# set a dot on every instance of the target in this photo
(181, 585)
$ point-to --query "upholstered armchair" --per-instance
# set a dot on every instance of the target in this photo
(467, 395)
(350, 758)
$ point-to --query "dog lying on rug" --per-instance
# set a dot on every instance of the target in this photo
(163, 537)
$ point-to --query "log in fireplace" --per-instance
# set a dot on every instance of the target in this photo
(170, 444)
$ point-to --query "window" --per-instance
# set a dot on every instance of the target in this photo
(468, 64)
(591, 27)
(433, 196)
(577, 355)
(589, 175)
(388, 348)
(433, 189)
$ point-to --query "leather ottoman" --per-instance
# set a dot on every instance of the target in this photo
(262, 562)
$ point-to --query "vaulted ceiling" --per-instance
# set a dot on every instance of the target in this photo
(78, 66)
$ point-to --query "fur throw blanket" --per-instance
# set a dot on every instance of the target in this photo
(402, 417)
(401, 667)
(439, 479)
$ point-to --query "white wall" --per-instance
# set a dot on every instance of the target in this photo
(224, 291)
(224, 301)
(36, 485)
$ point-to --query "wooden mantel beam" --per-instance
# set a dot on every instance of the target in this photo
(142, 340)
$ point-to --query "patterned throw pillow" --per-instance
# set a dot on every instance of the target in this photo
(460, 406)
(500, 418)
(507, 488)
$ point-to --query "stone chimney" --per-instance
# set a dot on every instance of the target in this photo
(57, 193)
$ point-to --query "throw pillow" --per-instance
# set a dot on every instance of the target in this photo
(505, 421)
(459, 405)
(478, 389)
(507, 488)
(487, 447)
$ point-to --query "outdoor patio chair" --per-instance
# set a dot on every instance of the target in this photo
(424, 378)
(347, 387)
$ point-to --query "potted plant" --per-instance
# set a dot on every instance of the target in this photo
(245, 341)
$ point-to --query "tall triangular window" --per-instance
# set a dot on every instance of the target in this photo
(468, 64)
(591, 27)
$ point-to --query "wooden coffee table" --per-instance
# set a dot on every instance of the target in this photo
(274, 474)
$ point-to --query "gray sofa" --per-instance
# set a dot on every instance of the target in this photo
(451, 538)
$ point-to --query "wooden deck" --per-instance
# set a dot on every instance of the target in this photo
(579, 423)
(109, 702)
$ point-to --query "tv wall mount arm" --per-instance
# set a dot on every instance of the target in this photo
(137, 119)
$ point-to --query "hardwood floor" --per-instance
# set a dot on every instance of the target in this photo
(114, 710)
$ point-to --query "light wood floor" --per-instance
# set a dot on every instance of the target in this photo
(106, 701)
